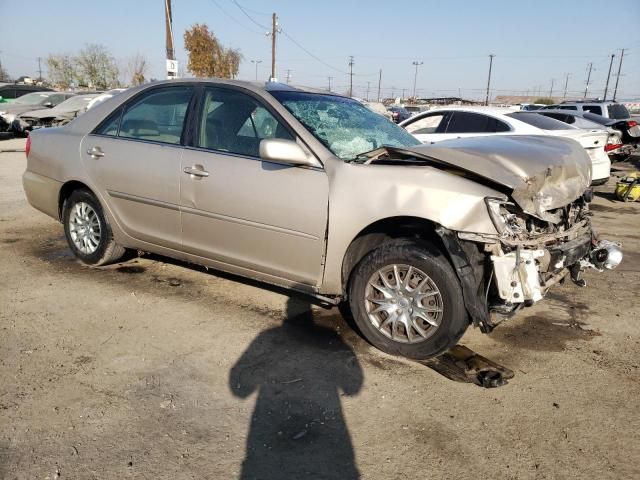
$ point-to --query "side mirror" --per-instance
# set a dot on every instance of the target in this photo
(47, 104)
(284, 151)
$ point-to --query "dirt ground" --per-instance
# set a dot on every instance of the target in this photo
(157, 369)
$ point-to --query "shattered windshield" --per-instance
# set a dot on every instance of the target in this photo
(344, 126)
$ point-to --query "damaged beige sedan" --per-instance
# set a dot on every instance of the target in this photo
(316, 193)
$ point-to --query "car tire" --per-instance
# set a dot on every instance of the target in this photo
(445, 308)
(87, 230)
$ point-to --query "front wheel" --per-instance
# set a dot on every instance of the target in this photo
(87, 231)
(406, 300)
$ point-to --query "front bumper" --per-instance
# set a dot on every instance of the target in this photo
(525, 275)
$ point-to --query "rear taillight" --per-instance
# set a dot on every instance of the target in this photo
(632, 123)
(27, 147)
(612, 146)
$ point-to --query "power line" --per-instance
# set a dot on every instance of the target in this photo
(235, 19)
(284, 32)
(248, 16)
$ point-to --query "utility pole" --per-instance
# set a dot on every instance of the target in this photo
(274, 32)
(553, 80)
(288, 76)
(606, 87)
(403, 93)
(588, 80)
(368, 85)
(351, 75)
(379, 83)
(256, 62)
(330, 82)
(615, 90)
(486, 99)
(415, 76)
(39, 69)
(566, 83)
(172, 65)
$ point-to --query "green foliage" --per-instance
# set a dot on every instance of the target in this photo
(544, 101)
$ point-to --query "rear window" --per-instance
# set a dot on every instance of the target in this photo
(618, 111)
(539, 121)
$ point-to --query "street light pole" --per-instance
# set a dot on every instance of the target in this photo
(256, 62)
(486, 100)
(415, 76)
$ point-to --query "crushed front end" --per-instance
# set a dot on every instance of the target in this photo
(531, 254)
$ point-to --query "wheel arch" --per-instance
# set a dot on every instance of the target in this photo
(383, 230)
(65, 192)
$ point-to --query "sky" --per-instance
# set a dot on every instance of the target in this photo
(535, 42)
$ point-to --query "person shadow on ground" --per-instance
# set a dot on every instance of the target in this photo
(297, 429)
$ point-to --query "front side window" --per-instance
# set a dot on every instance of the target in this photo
(157, 116)
(343, 125)
(429, 124)
(236, 123)
(469, 122)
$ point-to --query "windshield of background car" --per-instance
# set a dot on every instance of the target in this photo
(32, 99)
(540, 121)
(345, 126)
(618, 111)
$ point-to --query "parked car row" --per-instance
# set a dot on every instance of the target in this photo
(315, 192)
(44, 109)
(601, 138)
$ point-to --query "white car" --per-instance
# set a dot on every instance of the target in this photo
(449, 123)
(104, 96)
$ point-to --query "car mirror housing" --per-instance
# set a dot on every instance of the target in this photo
(284, 151)
(47, 104)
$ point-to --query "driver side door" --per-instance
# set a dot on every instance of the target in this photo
(256, 216)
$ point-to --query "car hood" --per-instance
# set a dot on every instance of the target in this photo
(16, 108)
(543, 173)
(50, 113)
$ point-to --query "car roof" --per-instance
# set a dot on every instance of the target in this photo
(476, 109)
(259, 87)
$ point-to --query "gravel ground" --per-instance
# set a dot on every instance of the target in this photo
(157, 369)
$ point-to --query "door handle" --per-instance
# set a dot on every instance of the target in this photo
(95, 152)
(196, 171)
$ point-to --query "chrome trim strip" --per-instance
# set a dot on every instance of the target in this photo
(248, 223)
(146, 201)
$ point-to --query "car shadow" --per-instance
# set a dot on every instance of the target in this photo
(299, 371)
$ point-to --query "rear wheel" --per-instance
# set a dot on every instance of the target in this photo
(406, 300)
(87, 231)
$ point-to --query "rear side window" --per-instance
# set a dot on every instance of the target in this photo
(592, 108)
(559, 116)
(617, 111)
(428, 124)
(469, 122)
(568, 107)
(157, 116)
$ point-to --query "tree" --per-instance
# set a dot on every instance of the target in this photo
(207, 57)
(136, 69)
(544, 101)
(62, 70)
(96, 67)
(4, 75)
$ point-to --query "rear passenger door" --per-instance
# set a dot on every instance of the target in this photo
(133, 160)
